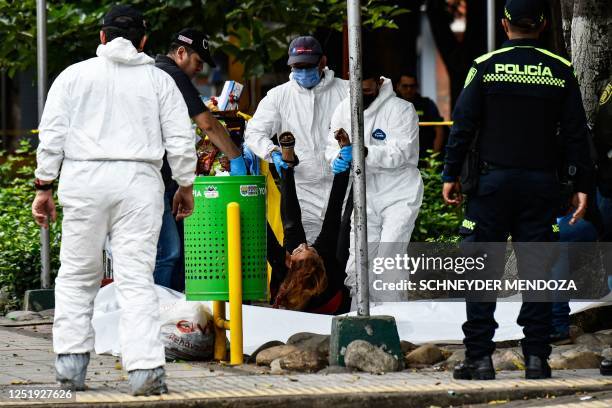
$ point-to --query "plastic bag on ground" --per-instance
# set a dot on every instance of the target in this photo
(186, 327)
(187, 331)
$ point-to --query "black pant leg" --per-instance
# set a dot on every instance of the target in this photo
(487, 218)
(479, 329)
(537, 211)
(536, 319)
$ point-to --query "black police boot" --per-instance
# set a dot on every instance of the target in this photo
(536, 368)
(606, 367)
(475, 369)
(560, 338)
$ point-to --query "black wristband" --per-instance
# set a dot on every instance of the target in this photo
(42, 187)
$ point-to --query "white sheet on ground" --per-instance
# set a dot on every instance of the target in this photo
(417, 322)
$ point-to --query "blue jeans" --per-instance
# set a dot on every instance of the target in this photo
(168, 246)
(582, 231)
(605, 208)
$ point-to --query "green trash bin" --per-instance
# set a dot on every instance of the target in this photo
(206, 269)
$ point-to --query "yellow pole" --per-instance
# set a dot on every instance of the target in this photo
(219, 325)
(235, 282)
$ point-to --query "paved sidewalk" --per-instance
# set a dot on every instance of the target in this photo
(26, 360)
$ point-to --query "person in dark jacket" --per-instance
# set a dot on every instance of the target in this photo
(306, 277)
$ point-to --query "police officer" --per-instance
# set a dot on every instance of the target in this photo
(516, 98)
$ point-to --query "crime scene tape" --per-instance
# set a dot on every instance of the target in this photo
(241, 114)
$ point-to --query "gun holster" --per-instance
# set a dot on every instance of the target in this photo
(470, 172)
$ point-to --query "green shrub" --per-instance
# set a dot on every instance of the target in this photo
(20, 264)
(437, 222)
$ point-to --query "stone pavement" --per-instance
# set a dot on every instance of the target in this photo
(26, 360)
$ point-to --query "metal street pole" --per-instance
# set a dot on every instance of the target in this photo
(359, 187)
(41, 56)
(490, 25)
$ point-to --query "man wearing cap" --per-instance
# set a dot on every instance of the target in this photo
(185, 58)
(107, 122)
(516, 98)
(303, 106)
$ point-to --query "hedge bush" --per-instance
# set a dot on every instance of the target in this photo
(20, 264)
(437, 222)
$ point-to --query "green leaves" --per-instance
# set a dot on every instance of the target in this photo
(254, 32)
(437, 222)
(19, 235)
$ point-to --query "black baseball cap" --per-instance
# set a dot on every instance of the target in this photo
(529, 13)
(305, 50)
(125, 17)
(197, 41)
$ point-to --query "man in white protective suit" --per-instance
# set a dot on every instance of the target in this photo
(394, 187)
(107, 122)
(302, 106)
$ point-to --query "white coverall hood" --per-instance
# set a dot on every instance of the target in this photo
(394, 186)
(123, 51)
(107, 123)
(307, 114)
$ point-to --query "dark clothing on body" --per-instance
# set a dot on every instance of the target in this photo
(427, 111)
(335, 296)
(195, 106)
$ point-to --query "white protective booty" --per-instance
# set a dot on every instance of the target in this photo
(70, 370)
(148, 382)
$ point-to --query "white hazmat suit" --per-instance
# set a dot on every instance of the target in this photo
(394, 187)
(107, 122)
(306, 113)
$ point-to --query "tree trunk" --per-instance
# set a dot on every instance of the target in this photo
(587, 27)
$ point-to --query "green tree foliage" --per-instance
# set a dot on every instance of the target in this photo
(19, 235)
(255, 32)
(437, 222)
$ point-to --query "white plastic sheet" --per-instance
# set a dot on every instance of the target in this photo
(418, 322)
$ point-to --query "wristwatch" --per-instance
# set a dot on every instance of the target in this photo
(38, 185)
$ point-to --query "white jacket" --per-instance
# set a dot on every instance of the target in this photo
(117, 106)
(391, 134)
(307, 114)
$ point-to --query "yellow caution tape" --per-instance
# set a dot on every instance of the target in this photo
(444, 123)
(241, 114)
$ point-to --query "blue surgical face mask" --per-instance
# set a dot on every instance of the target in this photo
(307, 77)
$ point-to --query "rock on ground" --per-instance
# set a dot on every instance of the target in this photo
(508, 359)
(364, 356)
(575, 358)
(588, 340)
(253, 357)
(407, 346)
(426, 354)
(275, 367)
(303, 360)
(266, 356)
(457, 357)
(311, 341)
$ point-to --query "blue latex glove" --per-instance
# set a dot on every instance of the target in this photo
(238, 167)
(346, 153)
(277, 157)
(339, 165)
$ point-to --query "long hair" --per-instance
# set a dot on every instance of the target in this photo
(306, 278)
